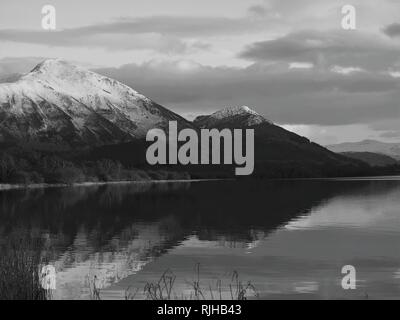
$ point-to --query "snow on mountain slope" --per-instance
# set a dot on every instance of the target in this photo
(233, 117)
(61, 103)
(389, 149)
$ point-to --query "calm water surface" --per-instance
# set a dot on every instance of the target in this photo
(289, 238)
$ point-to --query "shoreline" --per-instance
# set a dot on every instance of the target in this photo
(10, 186)
(350, 178)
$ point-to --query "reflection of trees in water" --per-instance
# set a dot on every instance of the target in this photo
(212, 209)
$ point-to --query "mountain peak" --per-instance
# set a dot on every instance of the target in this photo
(57, 68)
(234, 111)
(75, 81)
(50, 64)
(239, 117)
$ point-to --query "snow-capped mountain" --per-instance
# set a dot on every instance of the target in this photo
(231, 117)
(389, 149)
(61, 103)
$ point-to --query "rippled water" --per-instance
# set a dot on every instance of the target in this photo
(289, 238)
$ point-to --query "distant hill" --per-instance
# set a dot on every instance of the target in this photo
(389, 149)
(373, 159)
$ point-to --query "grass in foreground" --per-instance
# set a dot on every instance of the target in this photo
(164, 289)
(20, 260)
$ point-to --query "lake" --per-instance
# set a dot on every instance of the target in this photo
(290, 239)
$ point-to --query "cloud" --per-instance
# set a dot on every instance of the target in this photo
(258, 10)
(346, 70)
(327, 50)
(392, 30)
(391, 134)
(109, 41)
(290, 96)
(181, 26)
(160, 33)
(388, 125)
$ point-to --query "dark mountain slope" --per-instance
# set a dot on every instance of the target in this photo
(373, 159)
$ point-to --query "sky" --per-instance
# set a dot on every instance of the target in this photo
(291, 61)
